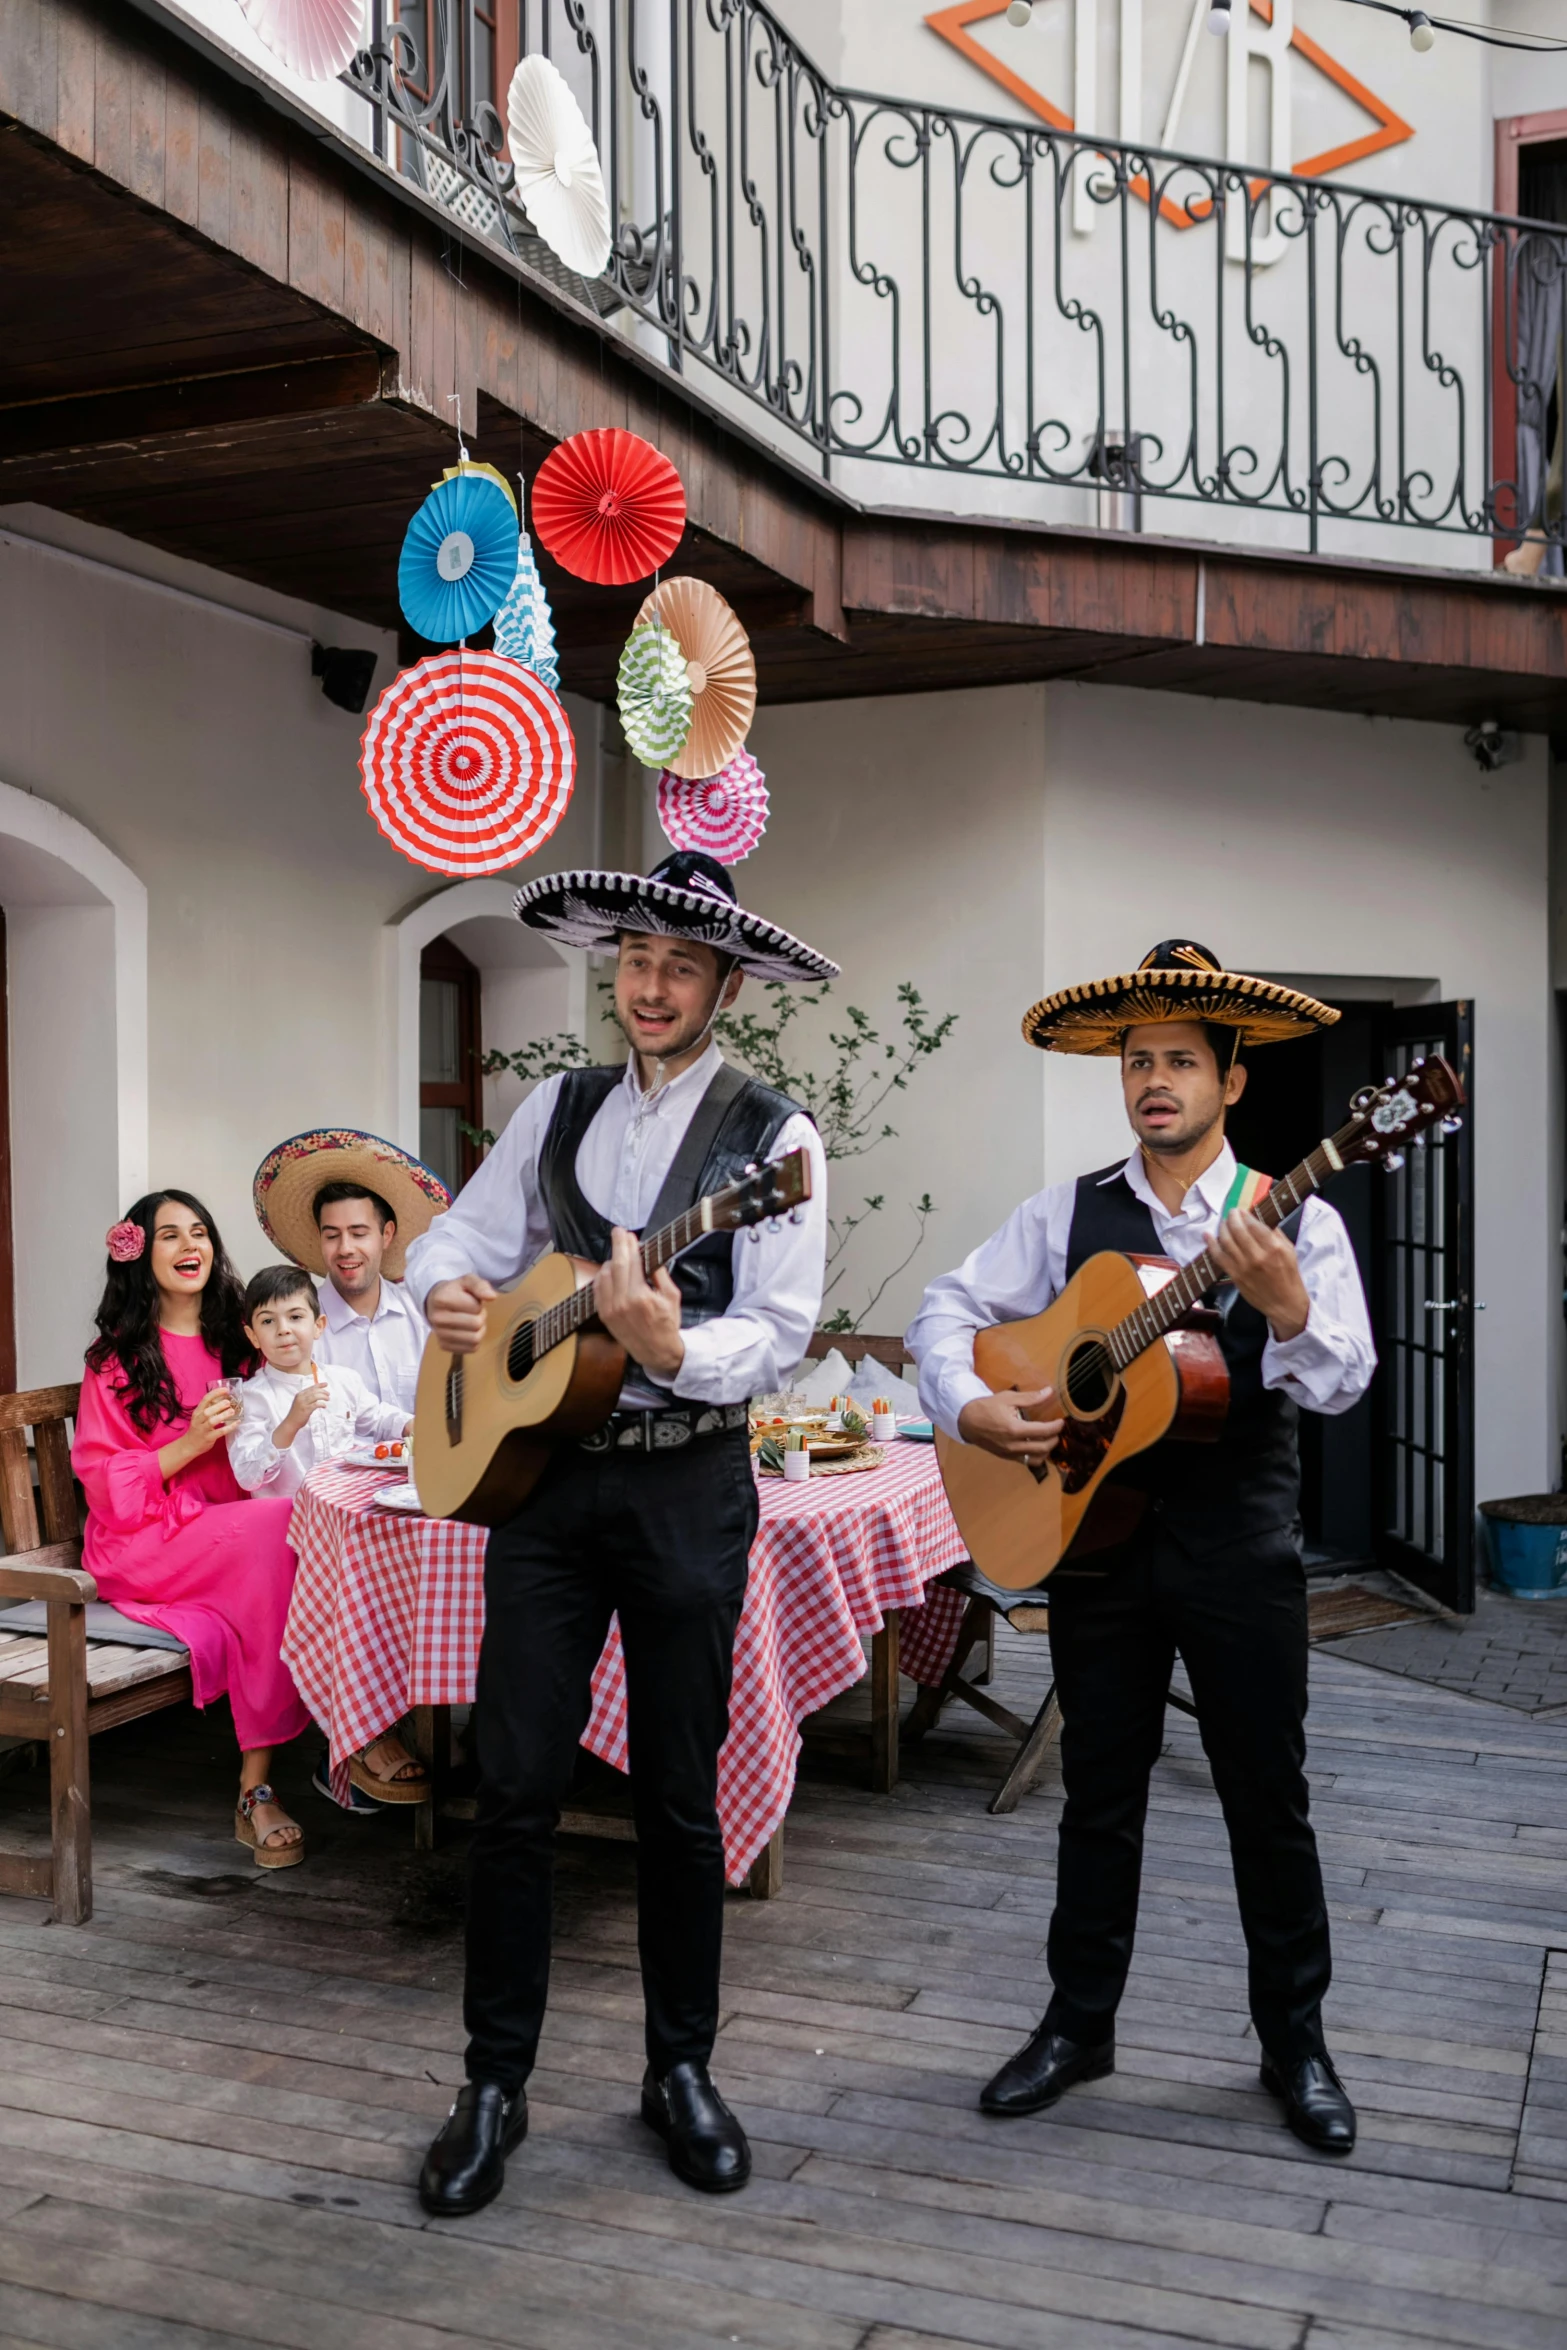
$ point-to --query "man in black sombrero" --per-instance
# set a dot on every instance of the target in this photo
(1213, 1572)
(653, 1517)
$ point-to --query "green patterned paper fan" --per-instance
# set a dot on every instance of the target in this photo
(655, 696)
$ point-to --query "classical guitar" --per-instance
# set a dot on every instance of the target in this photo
(545, 1371)
(1131, 1356)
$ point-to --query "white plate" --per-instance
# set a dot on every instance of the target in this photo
(399, 1497)
(367, 1460)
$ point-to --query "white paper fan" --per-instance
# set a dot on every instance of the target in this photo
(316, 39)
(557, 166)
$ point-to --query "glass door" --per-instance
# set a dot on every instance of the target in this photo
(1424, 1312)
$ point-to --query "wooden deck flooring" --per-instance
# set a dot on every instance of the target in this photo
(214, 2098)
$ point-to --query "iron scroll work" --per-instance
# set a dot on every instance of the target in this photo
(878, 282)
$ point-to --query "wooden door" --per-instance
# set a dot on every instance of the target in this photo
(451, 1085)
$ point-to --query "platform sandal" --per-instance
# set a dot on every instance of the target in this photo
(409, 1782)
(268, 1855)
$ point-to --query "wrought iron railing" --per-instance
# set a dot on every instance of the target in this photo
(880, 282)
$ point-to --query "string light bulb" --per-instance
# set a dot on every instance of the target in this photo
(1219, 17)
(1422, 32)
(1020, 13)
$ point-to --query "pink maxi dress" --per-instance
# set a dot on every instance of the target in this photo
(197, 1557)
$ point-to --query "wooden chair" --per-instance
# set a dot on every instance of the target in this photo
(68, 1685)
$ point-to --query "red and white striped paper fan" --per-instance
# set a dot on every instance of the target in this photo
(467, 763)
(725, 814)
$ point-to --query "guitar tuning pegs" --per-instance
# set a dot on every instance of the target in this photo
(797, 1215)
(755, 1235)
(1451, 1125)
(1393, 1162)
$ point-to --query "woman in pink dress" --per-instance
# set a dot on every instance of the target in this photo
(171, 1539)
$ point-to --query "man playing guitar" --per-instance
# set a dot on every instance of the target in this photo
(649, 1518)
(1213, 1570)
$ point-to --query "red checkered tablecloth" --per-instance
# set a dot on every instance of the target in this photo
(388, 1610)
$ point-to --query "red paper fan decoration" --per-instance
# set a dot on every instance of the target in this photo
(725, 814)
(467, 763)
(609, 506)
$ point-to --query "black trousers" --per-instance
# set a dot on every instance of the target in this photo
(662, 1540)
(1237, 1618)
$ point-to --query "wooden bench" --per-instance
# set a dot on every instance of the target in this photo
(62, 1686)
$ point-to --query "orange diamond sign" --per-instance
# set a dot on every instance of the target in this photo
(1390, 129)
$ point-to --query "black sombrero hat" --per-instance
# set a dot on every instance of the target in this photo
(1176, 980)
(688, 895)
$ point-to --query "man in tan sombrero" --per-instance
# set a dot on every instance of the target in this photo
(348, 1206)
(1214, 1572)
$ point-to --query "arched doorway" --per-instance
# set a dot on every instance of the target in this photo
(521, 987)
(76, 1102)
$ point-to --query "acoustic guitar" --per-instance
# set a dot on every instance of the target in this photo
(1131, 1356)
(545, 1371)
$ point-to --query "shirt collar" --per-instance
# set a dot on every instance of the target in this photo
(340, 1314)
(689, 1086)
(1211, 1189)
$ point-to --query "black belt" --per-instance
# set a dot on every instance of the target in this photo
(666, 1428)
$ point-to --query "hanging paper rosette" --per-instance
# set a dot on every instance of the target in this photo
(654, 695)
(721, 666)
(467, 763)
(524, 626)
(459, 554)
(317, 39)
(723, 814)
(609, 507)
(559, 177)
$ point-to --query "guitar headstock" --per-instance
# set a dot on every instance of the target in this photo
(763, 1194)
(1386, 1119)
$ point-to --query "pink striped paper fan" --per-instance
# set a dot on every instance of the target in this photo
(467, 763)
(317, 39)
(725, 814)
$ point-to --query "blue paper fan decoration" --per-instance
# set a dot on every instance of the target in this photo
(459, 557)
(524, 628)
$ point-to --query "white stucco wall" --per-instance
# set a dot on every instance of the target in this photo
(197, 748)
(991, 845)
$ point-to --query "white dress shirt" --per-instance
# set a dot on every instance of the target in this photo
(1021, 1268)
(383, 1347)
(350, 1417)
(499, 1224)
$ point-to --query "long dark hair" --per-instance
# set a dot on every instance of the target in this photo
(127, 1318)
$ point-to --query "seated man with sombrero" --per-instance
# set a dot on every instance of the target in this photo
(346, 1205)
(650, 1518)
(1213, 1572)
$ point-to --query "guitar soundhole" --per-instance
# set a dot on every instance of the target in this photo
(1090, 1381)
(519, 1354)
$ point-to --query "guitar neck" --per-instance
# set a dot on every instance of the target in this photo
(658, 1249)
(1159, 1314)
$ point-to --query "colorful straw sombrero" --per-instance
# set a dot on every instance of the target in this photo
(1176, 980)
(688, 895)
(289, 1177)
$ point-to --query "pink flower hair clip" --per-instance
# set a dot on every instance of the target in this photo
(125, 1242)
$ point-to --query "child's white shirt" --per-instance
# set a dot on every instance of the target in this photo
(352, 1416)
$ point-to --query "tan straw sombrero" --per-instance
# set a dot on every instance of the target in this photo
(1176, 980)
(289, 1178)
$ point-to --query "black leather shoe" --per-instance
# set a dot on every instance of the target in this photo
(1314, 2103)
(706, 2144)
(1042, 2071)
(466, 2166)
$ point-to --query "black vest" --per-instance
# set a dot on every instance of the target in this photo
(704, 1276)
(1247, 1483)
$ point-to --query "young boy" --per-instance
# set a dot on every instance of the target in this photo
(295, 1413)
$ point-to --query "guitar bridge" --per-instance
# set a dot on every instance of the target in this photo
(454, 1388)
